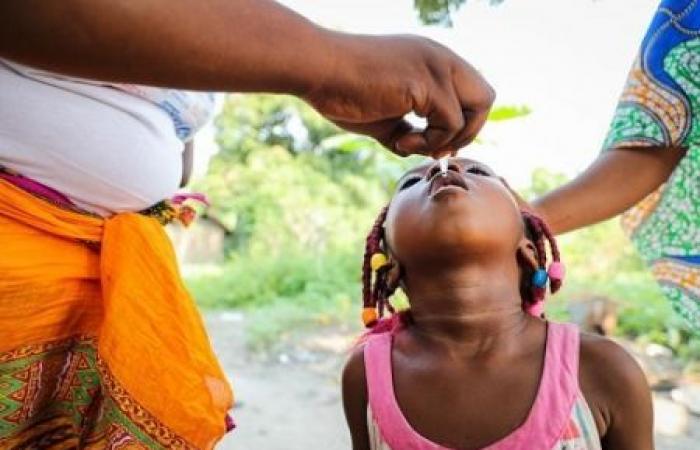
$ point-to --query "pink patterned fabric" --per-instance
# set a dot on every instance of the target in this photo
(559, 417)
(36, 188)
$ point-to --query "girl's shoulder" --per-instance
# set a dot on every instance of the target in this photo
(355, 397)
(611, 381)
(598, 352)
(354, 370)
(371, 354)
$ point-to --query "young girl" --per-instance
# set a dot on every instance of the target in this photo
(473, 364)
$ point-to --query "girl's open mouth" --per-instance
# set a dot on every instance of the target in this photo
(452, 181)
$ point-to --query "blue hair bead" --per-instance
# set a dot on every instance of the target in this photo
(539, 278)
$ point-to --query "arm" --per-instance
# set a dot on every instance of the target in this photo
(615, 181)
(355, 399)
(225, 45)
(619, 395)
(366, 84)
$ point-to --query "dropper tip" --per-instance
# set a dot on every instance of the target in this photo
(443, 166)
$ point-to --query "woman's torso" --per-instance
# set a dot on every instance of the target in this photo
(559, 416)
(659, 108)
(108, 147)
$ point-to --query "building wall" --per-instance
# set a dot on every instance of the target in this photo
(200, 243)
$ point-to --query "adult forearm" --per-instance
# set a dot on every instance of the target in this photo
(612, 184)
(225, 45)
(365, 84)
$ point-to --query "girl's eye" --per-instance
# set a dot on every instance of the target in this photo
(478, 171)
(408, 183)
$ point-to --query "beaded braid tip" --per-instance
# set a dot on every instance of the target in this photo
(186, 214)
(535, 309)
(378, 261)
(539, 278)
(369, 316)
(557, 271)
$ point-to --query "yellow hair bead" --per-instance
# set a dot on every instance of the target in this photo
(378, 261)
(369, 316)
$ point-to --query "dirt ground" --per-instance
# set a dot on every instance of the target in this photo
(290, 399)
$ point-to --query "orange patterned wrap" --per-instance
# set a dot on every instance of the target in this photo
(104, 297)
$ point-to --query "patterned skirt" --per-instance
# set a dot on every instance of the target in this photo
(660, 108)
(100, 344)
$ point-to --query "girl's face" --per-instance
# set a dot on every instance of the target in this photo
(467, 215)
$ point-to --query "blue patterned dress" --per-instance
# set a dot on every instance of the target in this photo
(660, 107)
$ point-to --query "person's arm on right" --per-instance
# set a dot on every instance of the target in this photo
(364, 83)
(613, 183)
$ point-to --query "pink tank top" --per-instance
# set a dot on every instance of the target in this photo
(560, 418)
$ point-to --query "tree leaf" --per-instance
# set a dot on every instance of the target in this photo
(508, 112)
(439, 12)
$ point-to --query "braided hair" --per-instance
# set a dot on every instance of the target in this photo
(378, 286)
(538, 232)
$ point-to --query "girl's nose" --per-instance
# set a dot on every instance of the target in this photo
(435, 168)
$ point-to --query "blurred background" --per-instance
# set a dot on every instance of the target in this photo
(275, 262)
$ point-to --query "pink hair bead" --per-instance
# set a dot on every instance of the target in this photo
(556, 270)
(536, 309)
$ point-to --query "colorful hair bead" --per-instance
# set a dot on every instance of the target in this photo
(535, 309)
(378, 261)
(186, 214)
(539, 278)
(369, 316)
(556, 271)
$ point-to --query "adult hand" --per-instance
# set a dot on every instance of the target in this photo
(376, 80)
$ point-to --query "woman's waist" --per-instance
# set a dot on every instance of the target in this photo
(113, 154)
(95, 192)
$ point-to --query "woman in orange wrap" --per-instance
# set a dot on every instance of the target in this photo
(100, 344)
(98, 331)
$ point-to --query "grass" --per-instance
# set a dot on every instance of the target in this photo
(282, 294)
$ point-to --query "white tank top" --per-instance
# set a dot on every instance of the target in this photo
(108, 147)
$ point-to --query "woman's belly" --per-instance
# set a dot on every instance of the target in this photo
(106, 150)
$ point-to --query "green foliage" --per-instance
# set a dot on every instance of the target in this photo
(299, 194)
(285, 179)
(542, 181)
(439, 12)
(296, 277)
(508, 112)
(283, 294)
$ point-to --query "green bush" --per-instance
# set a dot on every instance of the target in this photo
(282, 293)
(252, 281)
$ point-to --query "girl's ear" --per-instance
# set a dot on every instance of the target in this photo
(393, 277)
(527, 253)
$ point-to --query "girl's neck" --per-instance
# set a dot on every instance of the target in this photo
(467, 309)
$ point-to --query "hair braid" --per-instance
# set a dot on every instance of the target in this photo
(554, 283)
(373, 244)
